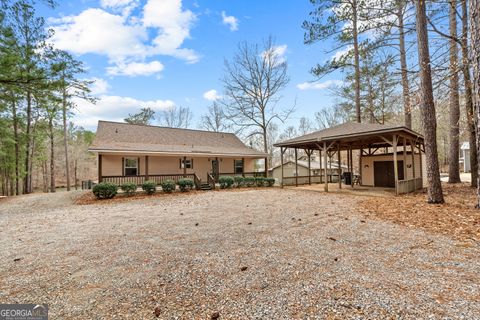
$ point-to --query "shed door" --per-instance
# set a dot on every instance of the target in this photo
(384, 175)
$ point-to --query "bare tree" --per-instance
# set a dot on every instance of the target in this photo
(305, 126)
(215, 119)
(326, 118)
(253, 81)
(176, 117)
(475, 54)
(427, 107)
(454, 157)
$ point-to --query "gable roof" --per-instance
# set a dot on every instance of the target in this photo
(349, 130)
(118, 137)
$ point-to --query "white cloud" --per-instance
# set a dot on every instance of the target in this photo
(319, 85)
(277, 52)
(113, 108)
(341, 53)
(231, 21)
(161, 29)
(136, 69)
(211, 95)
(99, 86)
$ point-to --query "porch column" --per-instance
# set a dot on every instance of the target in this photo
(282, 150)
(100, 168)
(339, 168)
(325, 159)
(309, 153)
(395, 164)
(296, 169)
(184, 167)
(146, 167)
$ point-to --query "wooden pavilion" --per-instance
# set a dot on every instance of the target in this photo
(390, 156)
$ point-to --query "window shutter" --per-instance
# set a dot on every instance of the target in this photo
(180, 163)
(123, 166)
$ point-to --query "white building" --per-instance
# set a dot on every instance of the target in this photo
(465, 159)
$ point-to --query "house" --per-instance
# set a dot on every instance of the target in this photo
(390, 156)
(465, 158)
(135, 153)
(299, 173)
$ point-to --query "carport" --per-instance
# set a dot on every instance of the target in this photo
(388, 155)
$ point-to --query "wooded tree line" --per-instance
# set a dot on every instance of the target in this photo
(37, 86)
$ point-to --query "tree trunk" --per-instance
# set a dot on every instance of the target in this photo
(26, 183)
(468, 98)
(475, 54)
(65, 134)
(403, 65)
(265, 147)
(357, 61)
(427, 107)
(17, 146)
(454, 157)
(52, 156)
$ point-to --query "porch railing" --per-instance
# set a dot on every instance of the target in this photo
(158, 178)
(409, 185)
(244, 174)
(211, 180)
(289, 181)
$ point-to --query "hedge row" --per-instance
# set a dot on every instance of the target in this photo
(107, 190)
(237, 181)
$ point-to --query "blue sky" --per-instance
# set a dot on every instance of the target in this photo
(161, 53)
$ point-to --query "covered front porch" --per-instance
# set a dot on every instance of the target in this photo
(376, 156)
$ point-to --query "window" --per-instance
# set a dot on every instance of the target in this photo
(131, 166)
(238, 166)
(186, 163)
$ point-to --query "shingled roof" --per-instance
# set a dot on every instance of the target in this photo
(348, 131)
(131, 138)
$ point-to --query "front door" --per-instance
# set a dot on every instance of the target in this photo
(215, 168)
(384, 173)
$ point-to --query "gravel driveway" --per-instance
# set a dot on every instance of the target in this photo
(252, 254)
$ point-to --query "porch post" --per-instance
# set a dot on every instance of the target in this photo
(412, 149)
(325, 160)
(184, 167)
(309, 153)
(146, 167)
(100, 168)
(339, 168)
(395, 164)
(282, 150)
(296, 169)
(405, 158)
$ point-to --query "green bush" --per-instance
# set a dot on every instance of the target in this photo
(260, 181)
(185, 184)
(269, 182)
(150, 187)
(105, 190)
(129, 188)
(249, 181)
(168, 186)
(239, 181)
(226, 182)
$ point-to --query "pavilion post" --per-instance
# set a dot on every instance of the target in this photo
(309, 153)
(351, 164)
(325, 160)
(330, 166)
(282, 151)
(296, 168)
(412, 149)
(395, 163)
(421, 162)
(320, 162)
(361, 165)
(339, 168)
(146, 167)
(404, 158)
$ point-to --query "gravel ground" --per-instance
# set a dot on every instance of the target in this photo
(253, 254)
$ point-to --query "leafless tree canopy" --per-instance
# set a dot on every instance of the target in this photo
(176, 117)
(253, 81)
(215, 119)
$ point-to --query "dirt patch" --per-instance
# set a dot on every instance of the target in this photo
(457, 217)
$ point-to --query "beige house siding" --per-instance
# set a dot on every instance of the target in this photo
(368, 171)
(112, 165)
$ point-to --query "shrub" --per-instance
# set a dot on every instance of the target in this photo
(249, 181)
(225, 182)
(168, 186)
(129, 188)
(105, 190)
(260, 181)
(269, 182)
(239, 181)
(185, 184)
(150, 187)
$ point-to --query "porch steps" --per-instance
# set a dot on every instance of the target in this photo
(205, 187)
